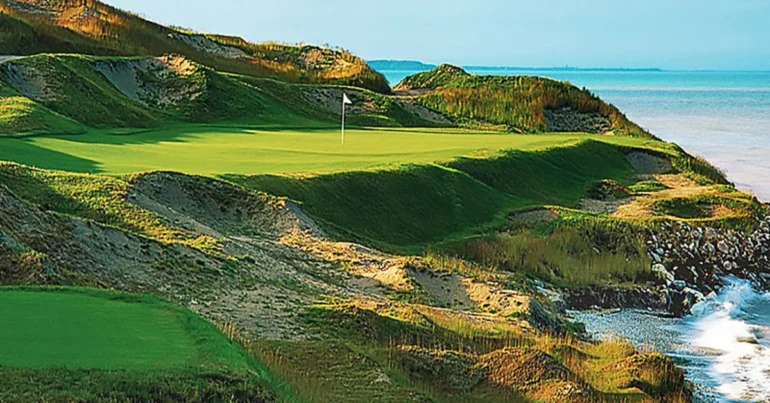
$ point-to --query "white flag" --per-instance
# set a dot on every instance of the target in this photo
(346, 100)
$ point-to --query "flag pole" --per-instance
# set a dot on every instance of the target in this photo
(343, 121)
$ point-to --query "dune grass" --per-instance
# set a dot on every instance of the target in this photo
(437, 356)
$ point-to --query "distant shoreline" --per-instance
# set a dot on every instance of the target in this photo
(410, 65)
(564, 68)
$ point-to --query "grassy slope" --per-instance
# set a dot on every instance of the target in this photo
(20, 116)
(139, 346)
(517, 102)
(81, 330)
(420, 205)
(92, 27)
(85, 95)
(405, 205)
(77, 93)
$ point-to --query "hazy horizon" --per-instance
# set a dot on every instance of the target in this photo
(584, 68)
(684, 35)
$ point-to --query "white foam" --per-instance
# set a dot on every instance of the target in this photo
(741, 363)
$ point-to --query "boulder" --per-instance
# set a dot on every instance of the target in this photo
(723, 247)
(662, 274)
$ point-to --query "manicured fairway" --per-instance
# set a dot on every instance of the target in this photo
(98, 330)
(220, 150)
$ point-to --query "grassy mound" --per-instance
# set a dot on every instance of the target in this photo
(420, 205)
(113, 92)
(92, 27)
(138, 345)
(20, 116)
(145, 92)
(523, 104)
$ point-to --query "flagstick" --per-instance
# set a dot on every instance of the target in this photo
(343, 122)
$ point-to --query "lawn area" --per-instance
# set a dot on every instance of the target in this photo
(210, 150)
(79, 329)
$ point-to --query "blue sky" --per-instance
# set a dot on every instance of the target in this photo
(671, 34)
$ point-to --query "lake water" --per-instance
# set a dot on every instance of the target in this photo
(723, 345)
(722, 116)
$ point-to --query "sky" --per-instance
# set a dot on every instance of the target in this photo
(669, 34)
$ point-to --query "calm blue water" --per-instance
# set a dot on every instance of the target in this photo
(722, 116)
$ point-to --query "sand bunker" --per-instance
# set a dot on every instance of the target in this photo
(161, 82)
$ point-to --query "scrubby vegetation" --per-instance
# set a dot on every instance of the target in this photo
(65, 94)
(576, 251)
(92, 27)
(521, 103)
(422, 353)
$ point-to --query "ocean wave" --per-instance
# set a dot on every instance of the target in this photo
(725, 329)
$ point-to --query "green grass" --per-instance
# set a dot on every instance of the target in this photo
(71, 344)
(577, 250)
(414, 207)
(647, 186)
(414, 187)
(21, 116)
(212, 150)
(79, 329)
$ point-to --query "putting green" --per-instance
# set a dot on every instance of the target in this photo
(79, 329)
(207, 150)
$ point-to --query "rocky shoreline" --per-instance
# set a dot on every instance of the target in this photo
(689, 265)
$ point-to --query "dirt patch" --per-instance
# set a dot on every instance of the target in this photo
(425, 113)
(533, 217)
(206, 45)
(570, 120)
(679, 187)
(211, 207)
(30, 82)
(331, 100)
(37, 7)
(645, 163)
(162, 82)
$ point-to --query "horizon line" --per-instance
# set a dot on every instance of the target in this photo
(572, 68)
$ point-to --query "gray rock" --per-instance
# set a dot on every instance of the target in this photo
(662, 274)
(728, 265)
(723, 247)
(679, 285)
(697, 295)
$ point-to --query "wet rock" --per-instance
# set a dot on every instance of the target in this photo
(679, 285)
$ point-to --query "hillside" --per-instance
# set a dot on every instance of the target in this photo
(519, 103)
(90, 27)
(180, 220)
(68, 93)
(336, 321)
(64, 94)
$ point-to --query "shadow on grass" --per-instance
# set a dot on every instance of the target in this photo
(25, 151)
